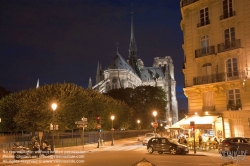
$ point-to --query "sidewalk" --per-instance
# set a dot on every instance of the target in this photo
(211, 152)
(90, 147)
(122, 142)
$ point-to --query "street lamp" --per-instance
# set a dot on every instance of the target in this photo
(170, 121)
(138, 121)
(54, 106)
(154, 114)
(112, 118)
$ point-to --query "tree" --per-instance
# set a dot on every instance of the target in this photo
(143, 100)
(30, 110)
(3, 92)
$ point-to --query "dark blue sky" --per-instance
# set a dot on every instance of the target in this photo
(62, 40)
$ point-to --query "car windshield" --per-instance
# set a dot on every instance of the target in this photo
(152, 135)
(149, 135)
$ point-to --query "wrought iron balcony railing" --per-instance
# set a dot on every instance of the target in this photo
(204, 51)
(224, 16)
(188, 2)
(203, 23)
(208, 108)
(219, 77)
(229, 45)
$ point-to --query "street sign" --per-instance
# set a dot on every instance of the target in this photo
(98, 126)
(79, 126)
(155, 124)
(79, 122)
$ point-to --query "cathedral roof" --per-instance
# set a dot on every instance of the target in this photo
(148, 73)
(120, 63)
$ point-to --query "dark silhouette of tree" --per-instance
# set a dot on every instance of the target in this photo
(143, 100)
(3, 92)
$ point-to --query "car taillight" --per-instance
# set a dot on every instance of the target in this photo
(226, 143)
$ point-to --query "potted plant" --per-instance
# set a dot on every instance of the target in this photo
(231, 105)
(238, 104)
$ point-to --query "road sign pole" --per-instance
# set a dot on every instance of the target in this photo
(83, 133)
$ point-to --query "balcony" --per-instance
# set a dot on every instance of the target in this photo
(224, 16)
(234, 106)
(188, 2)
(203, 23)
(219, 77)
(229, 45)
(204, 51)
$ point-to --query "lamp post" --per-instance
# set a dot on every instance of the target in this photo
(112, 118)
(138, 122)
(54, 106)
(170, 122)
(154, 114)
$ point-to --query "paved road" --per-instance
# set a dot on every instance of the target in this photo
(124, 153)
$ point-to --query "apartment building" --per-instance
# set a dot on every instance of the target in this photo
(216, 68)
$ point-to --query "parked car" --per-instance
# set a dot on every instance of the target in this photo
(165, 145)
(233, 145)
(148, 136)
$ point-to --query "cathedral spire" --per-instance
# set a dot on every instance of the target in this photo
(90, 83)
(132, 45)
(98, 72)
(133, 49)
(117, 52)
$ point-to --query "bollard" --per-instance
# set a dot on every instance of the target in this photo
(102, 142)
(98, 143)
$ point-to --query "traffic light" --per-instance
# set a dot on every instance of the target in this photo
(192, 128)
(98, 119)
(192, 125)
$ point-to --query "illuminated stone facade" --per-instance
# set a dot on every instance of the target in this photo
(217, 62)
(132, 73)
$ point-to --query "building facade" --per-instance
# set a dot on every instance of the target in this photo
(217, 64)
(132, 73)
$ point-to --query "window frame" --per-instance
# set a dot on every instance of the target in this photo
(204, 16)
(232, 67)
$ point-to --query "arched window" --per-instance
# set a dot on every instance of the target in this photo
(114, 83)
(232, 67)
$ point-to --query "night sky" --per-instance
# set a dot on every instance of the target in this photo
(59, 41)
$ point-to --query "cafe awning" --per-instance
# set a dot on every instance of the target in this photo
(201, 122)
(177, 125)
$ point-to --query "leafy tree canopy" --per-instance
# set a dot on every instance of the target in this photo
(30, 110)
(3, 92)
(143, 100)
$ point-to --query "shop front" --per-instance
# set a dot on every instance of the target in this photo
(205, 125)
(208, 129)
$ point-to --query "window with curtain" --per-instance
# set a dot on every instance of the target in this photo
(229, 35)
(204, 44)
(232, 68)
(206, 69)
(208, 101)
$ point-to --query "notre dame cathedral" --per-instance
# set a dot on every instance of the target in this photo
(131, 73)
